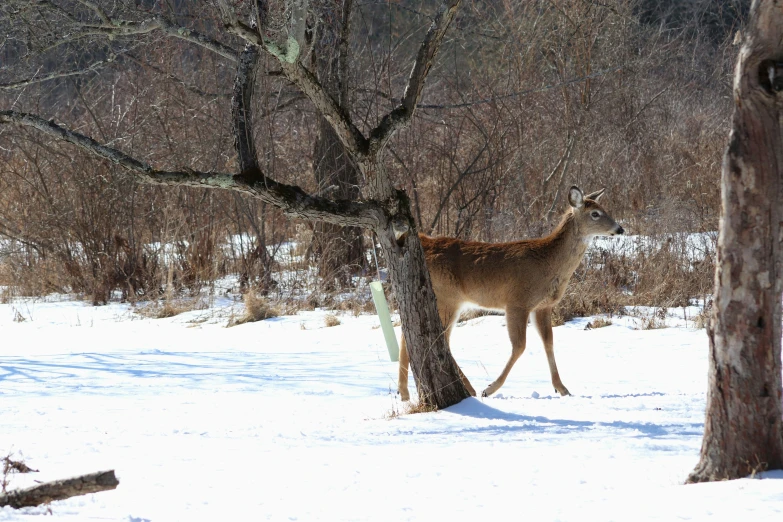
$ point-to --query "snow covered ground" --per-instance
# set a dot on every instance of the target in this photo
(287, 419)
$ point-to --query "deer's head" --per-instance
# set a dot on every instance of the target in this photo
(592, 219)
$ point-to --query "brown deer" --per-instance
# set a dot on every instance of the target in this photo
(519, 277)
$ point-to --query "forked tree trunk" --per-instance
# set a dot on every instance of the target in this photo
(743, 430)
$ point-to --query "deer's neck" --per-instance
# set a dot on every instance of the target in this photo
(569, 245)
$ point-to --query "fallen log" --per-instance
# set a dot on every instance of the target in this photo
(60, 489)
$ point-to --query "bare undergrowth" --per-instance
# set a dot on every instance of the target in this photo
(408, 408)
(331, 320)
(257, 308)
(13, 464)
(170, 307)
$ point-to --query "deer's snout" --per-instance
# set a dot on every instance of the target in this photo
(619, 230)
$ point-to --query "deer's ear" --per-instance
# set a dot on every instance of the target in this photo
(595, 195)
(575, 197)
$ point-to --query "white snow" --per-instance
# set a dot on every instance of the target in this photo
(289, 420)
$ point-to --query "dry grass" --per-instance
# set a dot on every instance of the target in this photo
(590, 292)
(257, 308)
(331, 320)
(702, 320)
(598, 322)
(12, 465)
(652, 320)
(170, 307)
(408, 408)
(356, 305)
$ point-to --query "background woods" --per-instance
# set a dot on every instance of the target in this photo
(524, 100)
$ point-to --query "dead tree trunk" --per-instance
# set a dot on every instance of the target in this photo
(743, 430)
(60, 490)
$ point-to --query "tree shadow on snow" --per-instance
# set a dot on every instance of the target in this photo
(475, 408)
(308, 372)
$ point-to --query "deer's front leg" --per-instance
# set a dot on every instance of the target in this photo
(543, 318)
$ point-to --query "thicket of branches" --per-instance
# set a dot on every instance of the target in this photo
(526, 99)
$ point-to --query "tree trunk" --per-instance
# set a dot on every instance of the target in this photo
(339, 250)
(60, 490)
(437, 377)
(743, 430)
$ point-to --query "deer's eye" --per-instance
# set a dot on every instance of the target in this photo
(595, 214)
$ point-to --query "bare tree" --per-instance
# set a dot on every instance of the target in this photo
(244, 34)
(744, 425)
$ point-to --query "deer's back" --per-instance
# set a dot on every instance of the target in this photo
(487, 274)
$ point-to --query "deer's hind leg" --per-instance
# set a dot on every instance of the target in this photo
(448, 316)
(543, 318)
(516, 322)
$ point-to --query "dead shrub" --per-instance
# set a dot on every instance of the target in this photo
(654, 319)
(590, 292)
(598, 322)
(331, 320)
(170, 307)
(11, 465)
(409, 408)
(257, 308)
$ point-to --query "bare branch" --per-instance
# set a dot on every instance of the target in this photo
(350, 136)
(401, 115)
(199, 39)
(98, 10)
(53, 76)
(127, 28)
(291, 199)
(190, 87)
(517, 94)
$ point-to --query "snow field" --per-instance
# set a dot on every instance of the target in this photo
(286, 419)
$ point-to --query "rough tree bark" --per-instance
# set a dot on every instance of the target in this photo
(60, 490)
(381, 207)
(339, 250)
(744, 423)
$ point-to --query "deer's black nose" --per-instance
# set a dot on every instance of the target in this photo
(620, 230)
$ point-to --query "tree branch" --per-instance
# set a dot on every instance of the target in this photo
(291, 199)
(350, 136)
(401, 115)
(98, 10)
(53, 76)
(127, 28)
